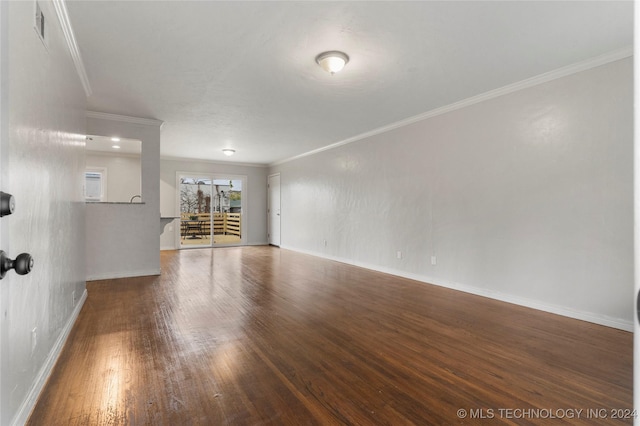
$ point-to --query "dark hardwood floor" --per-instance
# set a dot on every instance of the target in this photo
(263, 336)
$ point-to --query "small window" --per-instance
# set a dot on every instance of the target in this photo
(95, 185)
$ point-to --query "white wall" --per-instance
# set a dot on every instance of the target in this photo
(255, 216)
(43, 164)
(123, 174)
(526, 197)
(122, 238)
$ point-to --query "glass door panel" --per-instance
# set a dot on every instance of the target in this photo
(227, 211)
(196, 196)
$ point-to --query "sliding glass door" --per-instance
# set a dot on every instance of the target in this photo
(195, 210)
(211, 209)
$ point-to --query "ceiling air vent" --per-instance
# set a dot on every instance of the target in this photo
(40, 24)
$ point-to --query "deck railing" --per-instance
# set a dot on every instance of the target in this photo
(223, 223)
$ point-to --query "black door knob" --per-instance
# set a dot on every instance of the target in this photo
(7, 204)
(22, 264)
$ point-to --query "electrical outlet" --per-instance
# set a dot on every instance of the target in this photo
(399, 254)
(34, 339)
(325, 243)
(434, 260)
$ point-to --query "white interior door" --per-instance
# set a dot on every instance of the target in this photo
(274, 209)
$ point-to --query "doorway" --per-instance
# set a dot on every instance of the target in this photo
(273, 209)
(211, 209)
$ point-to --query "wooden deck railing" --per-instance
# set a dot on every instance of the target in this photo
(223, 223)
(232, 224)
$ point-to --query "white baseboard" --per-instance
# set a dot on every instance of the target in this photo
(30, 401)
(121, 274)
(618, 323)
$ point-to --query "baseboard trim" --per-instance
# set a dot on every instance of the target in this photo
(591, 317)
(128, 274)
(30, 401)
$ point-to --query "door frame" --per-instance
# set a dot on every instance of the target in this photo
(243, 203)
(636, 195)
(4, 144)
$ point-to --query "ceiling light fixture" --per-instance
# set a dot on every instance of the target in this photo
(115, 139)
(115, 146)
(333, 61)
(229, 151)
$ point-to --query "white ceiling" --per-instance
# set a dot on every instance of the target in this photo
(242, 74)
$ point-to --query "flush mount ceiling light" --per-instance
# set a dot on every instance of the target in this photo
(115, 139)
(332, 61)
(115, 146)
(229, 151)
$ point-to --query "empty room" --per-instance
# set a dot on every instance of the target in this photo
(312, 212)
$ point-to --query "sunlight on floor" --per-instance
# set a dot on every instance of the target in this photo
(206, 240)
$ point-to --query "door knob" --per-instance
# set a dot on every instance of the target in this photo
(22, 264)
(7, 204)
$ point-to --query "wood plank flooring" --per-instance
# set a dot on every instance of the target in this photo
(264, 336)
(205, 240)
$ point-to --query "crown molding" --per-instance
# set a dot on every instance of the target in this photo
(124, 118)
(63, 17)
(597, 61)
(220, 162)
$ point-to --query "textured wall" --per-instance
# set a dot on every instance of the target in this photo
(526, 197)
(123, 239)
(43, 163)
(255, 217)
